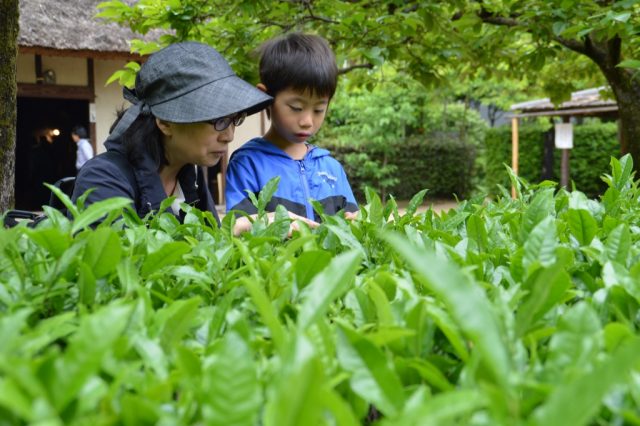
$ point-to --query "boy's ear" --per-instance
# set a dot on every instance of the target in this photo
(262, 87)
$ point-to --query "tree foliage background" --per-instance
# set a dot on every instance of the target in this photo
(554, 45)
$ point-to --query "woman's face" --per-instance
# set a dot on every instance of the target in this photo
(194, 143)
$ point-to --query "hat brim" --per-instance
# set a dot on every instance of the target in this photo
(220, 98)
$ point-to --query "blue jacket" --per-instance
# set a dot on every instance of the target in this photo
(111, 174)
(317, 176)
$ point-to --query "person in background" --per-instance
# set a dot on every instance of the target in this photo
(85, 150)
(300, 72)
(187, 102)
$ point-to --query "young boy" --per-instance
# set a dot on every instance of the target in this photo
(299, 71)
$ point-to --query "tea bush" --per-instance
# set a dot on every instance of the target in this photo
(514, 312)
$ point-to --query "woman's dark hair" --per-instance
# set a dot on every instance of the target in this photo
(142, 138)
(300, 62)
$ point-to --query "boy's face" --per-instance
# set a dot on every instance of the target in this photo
(296, 116)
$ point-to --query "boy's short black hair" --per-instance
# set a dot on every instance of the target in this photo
(300, 62)
(80, 131)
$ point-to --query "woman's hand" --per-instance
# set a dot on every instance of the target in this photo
(243, 224)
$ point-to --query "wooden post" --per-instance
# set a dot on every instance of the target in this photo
(564, 168)
(93, 135)
(514, 151)
(564, 161)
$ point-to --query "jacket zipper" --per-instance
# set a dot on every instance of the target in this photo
(305, 186)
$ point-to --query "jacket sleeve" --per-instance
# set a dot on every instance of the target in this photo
(241, 176)
(351, 205)
(106, 178)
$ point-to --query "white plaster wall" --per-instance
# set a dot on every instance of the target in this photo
(250, 129)
(69, 71)
(108, 98)
(26, 68)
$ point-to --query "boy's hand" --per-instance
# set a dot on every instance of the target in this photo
(351, 215)
(243, 224)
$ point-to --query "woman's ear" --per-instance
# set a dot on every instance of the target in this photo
(164, 126)
(262, 87)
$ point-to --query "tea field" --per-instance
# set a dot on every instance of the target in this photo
(513, 312)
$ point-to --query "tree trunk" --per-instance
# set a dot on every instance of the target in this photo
(628, 97)
(626, 89)
(9, 13)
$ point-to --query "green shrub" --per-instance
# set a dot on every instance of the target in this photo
(398, 140)
(498, 154)
(444, 165)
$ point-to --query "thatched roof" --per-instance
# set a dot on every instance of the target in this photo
(70, 27)
(583, 102)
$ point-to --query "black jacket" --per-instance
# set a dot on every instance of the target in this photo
(112, 175)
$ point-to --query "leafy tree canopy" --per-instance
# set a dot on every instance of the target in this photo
(558, 45)
(436, 42)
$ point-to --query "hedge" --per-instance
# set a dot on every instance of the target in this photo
(444, 165)
(594, 144)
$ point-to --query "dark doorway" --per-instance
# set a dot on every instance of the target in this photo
(45, 151)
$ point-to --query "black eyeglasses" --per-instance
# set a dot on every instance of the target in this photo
(221, 124)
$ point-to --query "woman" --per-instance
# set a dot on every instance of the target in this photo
(186, 103)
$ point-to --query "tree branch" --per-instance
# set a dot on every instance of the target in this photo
(312, 16)
(575, 45)
(512, 21)
(353, 67)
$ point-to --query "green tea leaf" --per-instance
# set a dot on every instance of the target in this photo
(231, 392)
(477, 232)
(327, 286)
(176, 320)
(293, 399)
(309, 264)
(86, 284)
(51, 239)
(548, 289)
(103, 251)
(541, 244)
(563, 408)
(371, 376)
(168, 254)
(88, 347)
(444, 408)
(618, 243)
(97, 211)
(540, 208)
(415, 202)
(467, 303)
(582, 225)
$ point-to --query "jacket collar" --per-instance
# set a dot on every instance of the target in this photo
(263, 145)
(150, 185)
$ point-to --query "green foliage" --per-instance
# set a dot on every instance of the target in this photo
(477, 51)
(514, 312)
(394, 139)
(593, 144)
(443, 166)
(436, 42)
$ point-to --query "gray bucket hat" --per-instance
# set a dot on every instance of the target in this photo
(189, 82)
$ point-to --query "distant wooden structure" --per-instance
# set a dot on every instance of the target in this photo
(586, 103)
